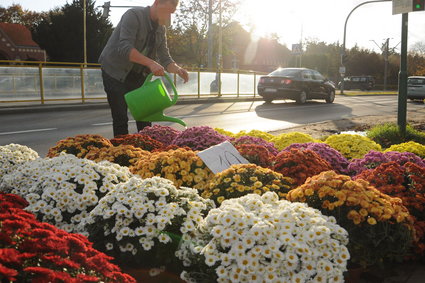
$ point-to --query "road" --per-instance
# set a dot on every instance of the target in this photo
(42, 130)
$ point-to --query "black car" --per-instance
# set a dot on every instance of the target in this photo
(299, 84)
(358, 82)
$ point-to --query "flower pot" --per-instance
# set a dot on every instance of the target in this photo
(145, 276)
(354, 274)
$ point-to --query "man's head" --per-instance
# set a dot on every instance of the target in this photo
(161, 11)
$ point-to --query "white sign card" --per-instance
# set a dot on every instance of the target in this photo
(221, 156)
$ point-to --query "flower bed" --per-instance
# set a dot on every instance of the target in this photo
(181, 166)
(406, 182)
(141, 222)
(32, 251)
(144, 142)
(62, 190)
(283, 140)
(256, 238)
(374, 158)
(380, 228)
(79, 145)
(338, 162)
(12, 155)
(243, 179)
(413, 147)
(164, 134)
(255, 140)
(199, 138)
(300, 164)
(256, 154)
(124, 155)
(352, 146)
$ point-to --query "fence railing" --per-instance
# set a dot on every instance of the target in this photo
(27, 81)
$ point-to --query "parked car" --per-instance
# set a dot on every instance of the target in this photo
(358, 82)
(416, 87)
(299, 84)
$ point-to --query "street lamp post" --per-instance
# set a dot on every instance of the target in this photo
(85, 32)
(345, 30)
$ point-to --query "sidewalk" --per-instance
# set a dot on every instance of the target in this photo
(24, 107)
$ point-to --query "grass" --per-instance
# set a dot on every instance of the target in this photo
(388, 134)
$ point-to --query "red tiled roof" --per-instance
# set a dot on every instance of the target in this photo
(19, 34)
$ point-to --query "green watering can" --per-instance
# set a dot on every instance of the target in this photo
(148, 102)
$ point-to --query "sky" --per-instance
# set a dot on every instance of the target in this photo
(293, 20)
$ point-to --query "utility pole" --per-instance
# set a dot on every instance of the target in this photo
(220, 38)
(85, 33)
(385, 53)
(210, 35)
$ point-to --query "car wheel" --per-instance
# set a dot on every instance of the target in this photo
(302, 97)
(268, 100)
(331, 97)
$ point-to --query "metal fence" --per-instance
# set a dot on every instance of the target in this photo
(22, 81)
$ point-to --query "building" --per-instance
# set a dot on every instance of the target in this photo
(16, 44)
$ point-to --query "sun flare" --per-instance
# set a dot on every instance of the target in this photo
(268, 17)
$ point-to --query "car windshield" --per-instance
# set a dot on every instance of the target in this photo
(285, 72)
(416, 81)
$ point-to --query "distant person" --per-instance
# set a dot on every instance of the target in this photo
(131, 53)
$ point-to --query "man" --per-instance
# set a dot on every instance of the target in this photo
(131, 53)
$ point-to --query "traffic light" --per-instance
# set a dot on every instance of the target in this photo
(106, 8)
(418, 5)
(344, 59)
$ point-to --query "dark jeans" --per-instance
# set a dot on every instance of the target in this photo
(115, 91)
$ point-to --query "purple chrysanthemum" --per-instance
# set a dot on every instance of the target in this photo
(164, 134)
(199, 138)
(374, 158)
(338, 162)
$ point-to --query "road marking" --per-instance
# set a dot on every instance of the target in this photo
(109, 123)
(102, 124)
(28, 131)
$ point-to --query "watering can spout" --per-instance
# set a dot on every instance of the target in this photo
(162, 117)
(148, 102)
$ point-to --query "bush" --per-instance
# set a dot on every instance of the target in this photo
(242, 179)
(388, 134)
(33, 251)
(380, 228)
(263, 239)
(300, 164)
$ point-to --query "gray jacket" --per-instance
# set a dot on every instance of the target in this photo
(132, 32)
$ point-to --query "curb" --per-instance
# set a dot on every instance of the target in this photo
(37, 108)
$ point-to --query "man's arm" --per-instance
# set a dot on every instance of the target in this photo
(137, 57)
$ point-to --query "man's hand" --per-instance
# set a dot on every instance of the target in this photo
(174, 68)
(183, 74)
(156, 68)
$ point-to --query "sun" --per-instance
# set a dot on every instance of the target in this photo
(267, 17)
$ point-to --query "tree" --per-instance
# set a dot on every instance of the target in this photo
(419, 47)
(16, 15)
(61, 34)
(189, 33)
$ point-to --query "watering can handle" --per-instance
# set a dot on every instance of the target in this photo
(149, 77)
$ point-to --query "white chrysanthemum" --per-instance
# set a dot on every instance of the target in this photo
(61, 190)
(151, 214)
(13, 155)
(297, 249)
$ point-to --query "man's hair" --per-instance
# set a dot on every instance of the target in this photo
(175, 2)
